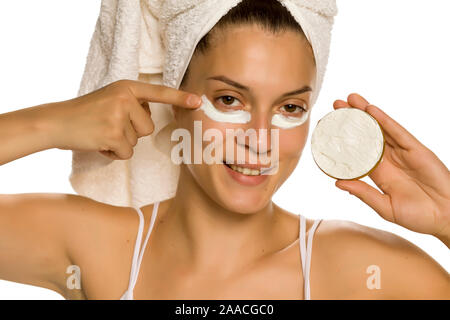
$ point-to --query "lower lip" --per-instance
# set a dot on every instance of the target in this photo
(244, 179)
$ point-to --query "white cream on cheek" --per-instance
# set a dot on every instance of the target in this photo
(241, 116)
(235, 116)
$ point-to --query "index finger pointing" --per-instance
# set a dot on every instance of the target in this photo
(163, 94)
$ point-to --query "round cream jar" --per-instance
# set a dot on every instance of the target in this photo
(347, 143)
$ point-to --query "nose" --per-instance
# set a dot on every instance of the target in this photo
(258, 137)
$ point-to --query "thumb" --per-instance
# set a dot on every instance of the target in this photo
(378, 201)
(146, 107)
(347, 185)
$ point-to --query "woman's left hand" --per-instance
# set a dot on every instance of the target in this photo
(414, 181)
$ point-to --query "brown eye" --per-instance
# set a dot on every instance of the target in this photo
(228, 100)
(290, 107)
(293, 109)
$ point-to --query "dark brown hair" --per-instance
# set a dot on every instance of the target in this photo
(270, 15)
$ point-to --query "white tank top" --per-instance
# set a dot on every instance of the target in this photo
(305, 251)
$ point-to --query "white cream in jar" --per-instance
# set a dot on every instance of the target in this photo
(347, 143)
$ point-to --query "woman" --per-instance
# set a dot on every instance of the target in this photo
(217, 238)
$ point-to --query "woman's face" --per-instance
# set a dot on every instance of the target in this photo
(247, 68)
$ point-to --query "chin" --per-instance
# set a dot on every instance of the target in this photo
(232, 191)
(240, 194)
(246, 204)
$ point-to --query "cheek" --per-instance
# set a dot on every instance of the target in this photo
(197, 123)
(186, 118)
(292, 142)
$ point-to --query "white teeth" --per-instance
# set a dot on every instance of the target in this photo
(246, 171)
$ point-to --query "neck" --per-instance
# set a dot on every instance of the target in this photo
(208, 236)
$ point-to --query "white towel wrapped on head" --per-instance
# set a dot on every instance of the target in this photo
(153, 41)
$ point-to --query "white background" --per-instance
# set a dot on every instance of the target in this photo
(395, 53)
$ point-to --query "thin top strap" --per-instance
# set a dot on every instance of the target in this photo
(139, 252)
(305, 252)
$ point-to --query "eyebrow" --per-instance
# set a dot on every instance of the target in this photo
(242, 87)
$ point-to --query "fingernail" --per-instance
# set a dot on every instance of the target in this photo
(194, 100)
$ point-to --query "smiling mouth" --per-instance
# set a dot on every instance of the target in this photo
(247, 171)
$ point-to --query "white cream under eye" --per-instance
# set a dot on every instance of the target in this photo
(241, 116)
(287, 122)
(235, 116)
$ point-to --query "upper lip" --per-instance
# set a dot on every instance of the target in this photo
(254, 166)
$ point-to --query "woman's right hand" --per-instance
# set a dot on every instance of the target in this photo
(111, 119)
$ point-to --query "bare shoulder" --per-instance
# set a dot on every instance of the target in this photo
(101, 244)
(47, 235)
(84, 222)
(99, 239)
(93, 222)
(368, 263)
